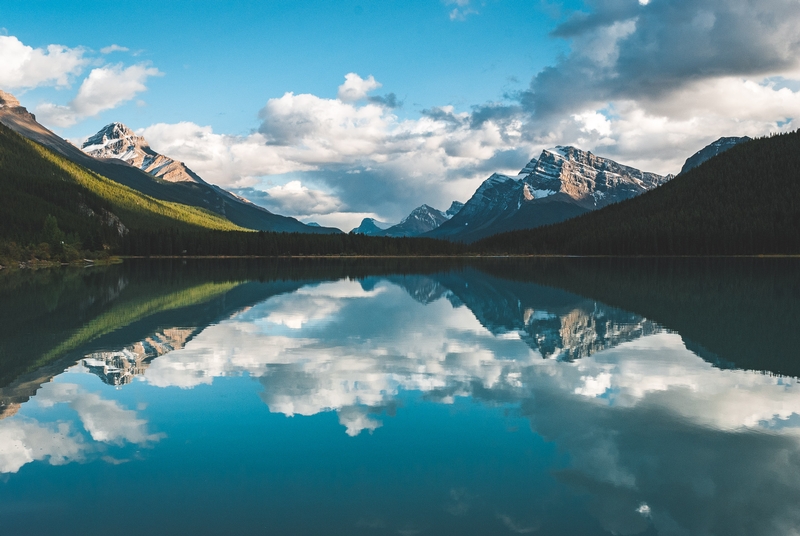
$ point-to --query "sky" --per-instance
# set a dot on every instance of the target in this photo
(332, 111)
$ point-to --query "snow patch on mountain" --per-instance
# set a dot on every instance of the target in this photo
(120, 142)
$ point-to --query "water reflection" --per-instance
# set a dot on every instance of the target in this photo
(103, 422)
(659, 433)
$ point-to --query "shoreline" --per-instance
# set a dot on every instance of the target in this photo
(85, 263)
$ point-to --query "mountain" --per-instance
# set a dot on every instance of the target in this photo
(455, 208)
(745, 201)
(50, 200)
(118, 141)
(710, 151)
(195, 192)
(371, 227)
(562, 183)
(421, 220)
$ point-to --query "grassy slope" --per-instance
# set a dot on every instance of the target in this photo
(744, 201)
(36, 182)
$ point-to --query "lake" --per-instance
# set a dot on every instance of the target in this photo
(401, 396)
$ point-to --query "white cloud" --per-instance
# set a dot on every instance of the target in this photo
(25, 441)
(22, 66)
(113, 48)
(362, 158)
(105, 420)
(462, 9)
(104, 89)
(356, 88)
(230, 161)
(659, 134)
(668, 77)
(357, 419)
(300, 200)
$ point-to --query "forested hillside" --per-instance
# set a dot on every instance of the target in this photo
(55, 209)
(47, 199)
(745, 201)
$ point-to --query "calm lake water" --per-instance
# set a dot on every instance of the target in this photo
(401, 397)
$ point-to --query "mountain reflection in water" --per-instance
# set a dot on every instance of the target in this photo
(651, 432)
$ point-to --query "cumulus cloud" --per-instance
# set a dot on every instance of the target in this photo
(293, 198)
(361, 157)
(105, 420)
(104, 89)
(23, 67)
(667, 78)
(623, 51)
(24, 440)
(356, 88)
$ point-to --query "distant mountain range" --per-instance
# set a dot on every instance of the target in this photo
(154, 193)
(422, 219)
(117, 154)
(371, 227)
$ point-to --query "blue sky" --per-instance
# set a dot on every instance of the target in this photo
(334, 111)
(221, 61)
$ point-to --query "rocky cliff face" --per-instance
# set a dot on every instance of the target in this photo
(712, 150)
(590, 180)
(562, 183)
(8, 100)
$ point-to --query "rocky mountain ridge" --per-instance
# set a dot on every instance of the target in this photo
(713, 149)
(562, 183)
(118, 141)
(421, 220)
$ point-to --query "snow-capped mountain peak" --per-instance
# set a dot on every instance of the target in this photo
(562, 183)
(588, 179)
(111, 134)
(120, 142)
